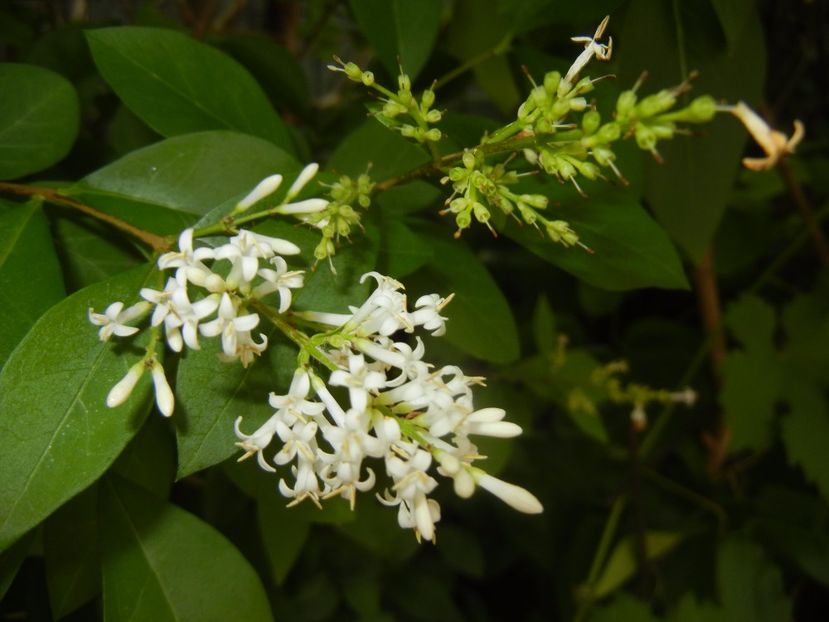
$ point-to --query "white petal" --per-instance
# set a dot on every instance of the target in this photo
(514, 496)
(263, 188)
(163, 394)
(123, 388)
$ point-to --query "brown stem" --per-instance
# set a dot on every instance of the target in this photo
(710, 310)
(156, 242)
(806, 210)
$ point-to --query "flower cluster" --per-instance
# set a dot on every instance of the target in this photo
(210, 294)
(392, 406)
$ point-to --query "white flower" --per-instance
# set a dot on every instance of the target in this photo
(359, 380)
(255, 443)
(306, 175)
(279, 280)
(186, 255)
(230, 326)
(184, 317)
(775, 143)
(428, 313)
(514, 496)
(161, 299)
(294, 403)
(591, 48)
(163, 393)
(265, 187)
(122, 390)
(113, 321)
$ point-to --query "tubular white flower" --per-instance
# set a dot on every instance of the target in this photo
(255, 443)
(308, 206)
(122, 390)
(163, 393)
(264, 188)
(113, 321)
(514, 496)
(302, 179)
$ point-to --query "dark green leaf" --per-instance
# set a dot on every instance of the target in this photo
(177, 85)
(629, 249)
(30, 278)
(689, 191)
(192, 173)
(544, 326)
(274, 67)
(213, 394)
(150, 458)
(402, 32)
(480, 320)
(752, 321)
(73, 558)
(11, 559)
(56, 434)
(461, 551)
(284, 532)
(622, 565)
(751, 587)
(401, 250)
(387, 151)
(805, 430)
(39, 123)
(415, 196)
(624, 608)
(751, 388)
(477, 36)
(162, 563)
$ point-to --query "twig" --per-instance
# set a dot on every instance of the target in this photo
(156, 242)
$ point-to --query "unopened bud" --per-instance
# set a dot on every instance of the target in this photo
(121, 392)
(590, 121)
(433, 135)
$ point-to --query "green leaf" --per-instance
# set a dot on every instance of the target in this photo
(401, 31)
(474, 35)
(162, 563)
(30, 278)
(689, 191)
(461, 550)
(212, 394)
(12, 559)
(544, 325)
(329, 291)
(752, 382)
(480, 320)
(622, 565)
(56, 434)
(284, 532)
(402, 251)
(39, 123)
(274, 67)
(150, 458)
(751, 587)
(71, 549)
(752, 321)
(624, 608)
(177, 85)
(399, 201)
(805, 430)
(629, 249)
(192, 173)
(388, 152)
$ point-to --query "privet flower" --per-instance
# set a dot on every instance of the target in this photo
(397, 410)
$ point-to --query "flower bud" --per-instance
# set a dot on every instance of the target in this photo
(433, 116)
(121, 392)
(433, 135)
(514, 496)
(538, 201)
(263, 188)
(701, 110)
(655, 104)
(609, 132)
(645, 137)
(463, 219)
(625, 103)
(353, 72)
(590, 121)
(427, 99)
(551, 81)
(404, 83)
(302, 179)
(163, 393)
(480, 211)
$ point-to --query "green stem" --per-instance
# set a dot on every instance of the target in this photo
(156, 242)
(608, 533)
(683, 491)
(302, 340)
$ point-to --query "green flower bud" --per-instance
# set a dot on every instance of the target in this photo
(481, 212)
(364, 200)
(433, 116)
(603, 155)
(528, 215)
(543, 126)
(526, 109)
(408, 131)
(539, 96)
(434, 135)
(560, 231)
(458, 173)
(427, 99)
(405, 99)
(609, 132)
(588, 169)
(458, 205)
(468, 160)
(655, 104)
(701, 110)
(549, 161)
(463, 220)
(538, 201)
(560, 108)
(625, 103)
(353, 72)
(663, 130)
(578, 104)
(565, 169)
(590, 121)
(645, 137)
(551, 81)
(367, 78)
(404, 83)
